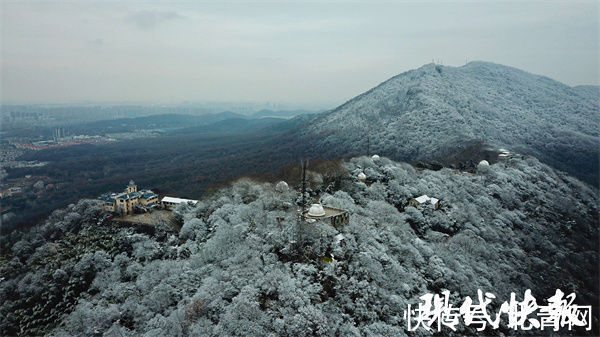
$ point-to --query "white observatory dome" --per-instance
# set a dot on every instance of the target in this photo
(281, 186)
(483, 163)
(362, 176)
(375, 157)
(316, 210)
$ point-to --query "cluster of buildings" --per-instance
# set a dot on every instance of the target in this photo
(131, 200)
(52, 144)
(337, 217)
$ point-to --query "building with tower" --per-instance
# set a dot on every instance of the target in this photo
(129, 200)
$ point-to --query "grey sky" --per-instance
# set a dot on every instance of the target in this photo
(276, 51)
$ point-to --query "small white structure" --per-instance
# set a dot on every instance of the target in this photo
(171, 202)
(316, 210)
(362, 176)
(422, 199)
(281, 187)
(503, 154)
(374, 157)
(483, 165)
(416, 202)
(339, 239)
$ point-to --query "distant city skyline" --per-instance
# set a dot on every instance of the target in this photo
(316, 54)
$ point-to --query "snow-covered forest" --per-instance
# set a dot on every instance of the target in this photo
(432, 111)
(243, 265)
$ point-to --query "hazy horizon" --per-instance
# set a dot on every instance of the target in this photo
(316, 54)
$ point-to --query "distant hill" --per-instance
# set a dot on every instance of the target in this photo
(164, 121)
(232, 125)
(292, 124)
(433, 111)
(222, 122)
(280, 113)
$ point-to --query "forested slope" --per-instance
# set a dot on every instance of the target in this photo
(433, 111)
(242, 265)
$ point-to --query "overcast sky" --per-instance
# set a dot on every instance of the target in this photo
(321, 53)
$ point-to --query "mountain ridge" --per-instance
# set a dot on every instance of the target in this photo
(430, 112)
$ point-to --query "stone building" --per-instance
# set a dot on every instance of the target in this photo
(130, 199)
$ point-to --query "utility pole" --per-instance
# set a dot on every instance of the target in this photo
(300, 218)
(304, 164)
(368, 144)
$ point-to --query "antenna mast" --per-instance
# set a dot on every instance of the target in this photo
(304, 164)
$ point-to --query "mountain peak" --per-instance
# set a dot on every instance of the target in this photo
(435, 110)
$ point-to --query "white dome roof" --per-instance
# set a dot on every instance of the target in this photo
(281, 186)
(362, 176)
(484, 163)
(316, 210)
(375, 156)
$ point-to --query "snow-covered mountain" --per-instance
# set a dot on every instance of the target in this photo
(430, 112)
(236, 269)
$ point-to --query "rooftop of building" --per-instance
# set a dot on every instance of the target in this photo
(147, 194)
(424, 198)
(178, 200)
(129, 195)
(108, 197)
